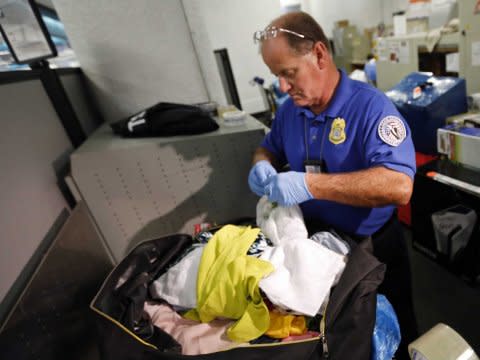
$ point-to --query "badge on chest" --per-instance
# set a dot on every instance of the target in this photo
(337, 131)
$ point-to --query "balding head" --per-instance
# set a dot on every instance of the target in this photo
(296, 50)
(304, 24)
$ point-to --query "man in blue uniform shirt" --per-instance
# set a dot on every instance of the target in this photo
(350, 153)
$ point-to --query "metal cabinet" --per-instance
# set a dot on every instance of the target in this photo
(454, 188)
(138, 189)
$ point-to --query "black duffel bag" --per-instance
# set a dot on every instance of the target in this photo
(126, 333)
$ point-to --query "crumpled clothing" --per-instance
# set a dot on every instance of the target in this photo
(304, 274)
(331, 242)
(194, 337)
(227, 284)
(280, 224)
(307, 335)
(283, 325)
(257, 247)
(177, 286)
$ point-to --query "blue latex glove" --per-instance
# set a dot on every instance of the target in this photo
(288, 189)
(259, 175)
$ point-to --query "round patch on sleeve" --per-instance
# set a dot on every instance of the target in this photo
(392, 130)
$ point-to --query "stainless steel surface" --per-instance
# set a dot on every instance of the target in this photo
(137, 189)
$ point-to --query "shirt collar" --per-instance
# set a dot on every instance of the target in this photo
(340, 96)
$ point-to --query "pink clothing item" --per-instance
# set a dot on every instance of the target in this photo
(194, 337)
(307, 335)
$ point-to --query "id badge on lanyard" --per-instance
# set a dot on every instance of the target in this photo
(314, 166)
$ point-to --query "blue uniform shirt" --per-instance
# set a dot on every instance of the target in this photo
(360, 129)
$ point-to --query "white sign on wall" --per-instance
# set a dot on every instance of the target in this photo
(452, 64)
(476, 53)
(399, 51)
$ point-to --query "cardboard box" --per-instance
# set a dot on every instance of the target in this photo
(459, 119)
(342, 23)
(417, 25)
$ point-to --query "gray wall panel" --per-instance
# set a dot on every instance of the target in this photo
(31, 139)
(52, 319)
(75, 87)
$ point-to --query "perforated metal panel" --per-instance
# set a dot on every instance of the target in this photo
(138, 189)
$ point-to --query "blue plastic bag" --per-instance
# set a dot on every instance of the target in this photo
(386, 334)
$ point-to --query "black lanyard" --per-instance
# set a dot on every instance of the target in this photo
(306, 137)
(314, 166)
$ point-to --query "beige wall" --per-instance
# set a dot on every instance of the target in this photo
(134, 53)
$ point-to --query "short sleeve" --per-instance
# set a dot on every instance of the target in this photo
(274, 139)
(388, 141)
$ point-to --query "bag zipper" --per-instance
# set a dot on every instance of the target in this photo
(323, 335)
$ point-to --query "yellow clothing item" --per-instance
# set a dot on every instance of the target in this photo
(283, 325)
(227, 284)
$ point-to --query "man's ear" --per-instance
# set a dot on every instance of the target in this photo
(321, 53)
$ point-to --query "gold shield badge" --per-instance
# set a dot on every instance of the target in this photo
(337, 131)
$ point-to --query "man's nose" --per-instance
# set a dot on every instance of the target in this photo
(284, 85)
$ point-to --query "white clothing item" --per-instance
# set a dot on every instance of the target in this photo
(330, 241)
(178, 286)
(304, 273)
(279, 223)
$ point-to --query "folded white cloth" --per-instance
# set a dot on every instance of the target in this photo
(279, 223)
(178, 286)
(304, 273)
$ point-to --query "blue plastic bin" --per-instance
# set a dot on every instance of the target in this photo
(425, 102)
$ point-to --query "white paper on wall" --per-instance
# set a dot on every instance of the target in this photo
(452, 64)
(476, 53)
(399, 51)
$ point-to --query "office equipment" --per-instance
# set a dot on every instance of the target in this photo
(460, 142)
(425, 102)
(427, 51)
(24, 32)
(443, 187)
(350, 46)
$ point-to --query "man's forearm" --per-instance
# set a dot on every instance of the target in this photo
(373, 187)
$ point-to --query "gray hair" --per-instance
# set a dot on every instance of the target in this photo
(304, 24)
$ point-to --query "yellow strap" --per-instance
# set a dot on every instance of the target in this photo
(123, 327)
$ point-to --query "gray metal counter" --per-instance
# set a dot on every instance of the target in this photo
(137, 189)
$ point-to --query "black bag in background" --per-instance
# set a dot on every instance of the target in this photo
(165, 119)
(126, 334)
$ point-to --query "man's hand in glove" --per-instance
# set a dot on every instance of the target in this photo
(288, 189)
(259, 175)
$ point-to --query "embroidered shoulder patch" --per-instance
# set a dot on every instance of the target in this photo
(392, 130)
